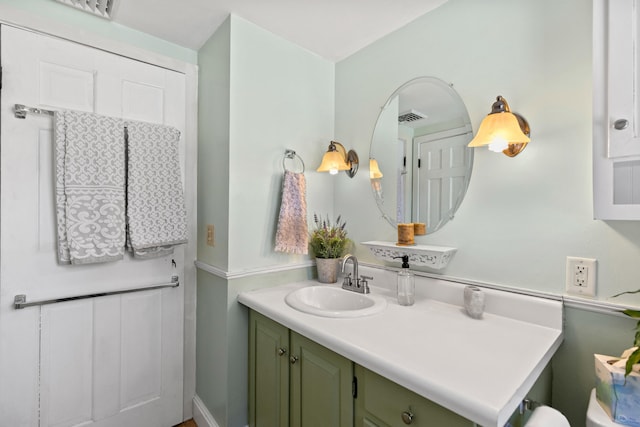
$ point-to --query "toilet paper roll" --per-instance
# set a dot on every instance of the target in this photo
(546, 416)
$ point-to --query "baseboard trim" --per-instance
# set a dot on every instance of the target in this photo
(201, 414)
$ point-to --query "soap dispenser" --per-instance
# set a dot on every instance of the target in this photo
(406, 283)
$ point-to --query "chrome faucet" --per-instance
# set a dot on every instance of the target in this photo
(360, 284)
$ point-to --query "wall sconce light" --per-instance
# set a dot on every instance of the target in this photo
(338, 159)
(503, 130)
(374, 169)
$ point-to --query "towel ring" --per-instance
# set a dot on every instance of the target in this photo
(290, 154)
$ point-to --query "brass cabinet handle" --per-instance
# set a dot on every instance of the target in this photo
(293, 359)
(282, 351)
(407, 417)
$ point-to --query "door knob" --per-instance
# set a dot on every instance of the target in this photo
(621, 124)
(282, 351)
(293, 359)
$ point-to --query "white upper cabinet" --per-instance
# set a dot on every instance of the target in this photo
(616, 109)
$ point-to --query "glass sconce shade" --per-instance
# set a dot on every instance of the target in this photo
(332, 162)
(502, 130)
(374, 169)
(338, 159)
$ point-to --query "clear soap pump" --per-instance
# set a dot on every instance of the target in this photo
(406, 283)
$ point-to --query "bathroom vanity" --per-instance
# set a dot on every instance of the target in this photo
(430, 361)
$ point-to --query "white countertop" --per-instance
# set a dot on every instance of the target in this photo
(479, 369)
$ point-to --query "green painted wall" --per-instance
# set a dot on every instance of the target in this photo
(586, 333)
(211, 347)
(222, 342)
(281, 97)
(214, 97)
(258, 95)
(48, 10)
(522, 216)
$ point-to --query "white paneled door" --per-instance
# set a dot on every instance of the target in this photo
(439, 175)
(106, 361)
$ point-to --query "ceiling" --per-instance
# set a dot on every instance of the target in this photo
(333, 29)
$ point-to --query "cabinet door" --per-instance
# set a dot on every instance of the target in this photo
(616, 109)
(622, 17)
(383, 403)
(268, 372)
(321, 386)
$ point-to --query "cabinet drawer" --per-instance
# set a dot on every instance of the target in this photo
(383, 403)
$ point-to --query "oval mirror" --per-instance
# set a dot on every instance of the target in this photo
(420, 165)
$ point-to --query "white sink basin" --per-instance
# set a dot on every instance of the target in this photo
(330, 301)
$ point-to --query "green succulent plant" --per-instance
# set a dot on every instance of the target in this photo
(328, 240)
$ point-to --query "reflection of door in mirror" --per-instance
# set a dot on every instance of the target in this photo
(440, 175)
(403, 180)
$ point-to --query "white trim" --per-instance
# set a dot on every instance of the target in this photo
(547, 295)
(201, 414)
(585, 304)
(28, 21)
(253, 272)
(596, 306)
(190, 252)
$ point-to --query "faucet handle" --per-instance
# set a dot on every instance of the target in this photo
(346, 281)
(363, 282)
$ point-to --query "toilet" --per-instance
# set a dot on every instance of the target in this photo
(596, 416)
(545, 416)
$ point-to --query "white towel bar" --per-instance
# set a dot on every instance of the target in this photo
(20, 301)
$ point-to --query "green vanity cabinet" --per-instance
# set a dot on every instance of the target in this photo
(294, 381)
(383, 403)
(321, 385)
(268, 372)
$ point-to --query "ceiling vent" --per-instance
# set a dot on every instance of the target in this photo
(411, 116)
(102, 8)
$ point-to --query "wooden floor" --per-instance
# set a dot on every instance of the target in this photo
(188, 423)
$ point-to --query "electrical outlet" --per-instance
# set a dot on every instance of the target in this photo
(581, 276)
(210, 235)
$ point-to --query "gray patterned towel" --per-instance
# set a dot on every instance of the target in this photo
(292, 235)
(90, 187)
(156, 214)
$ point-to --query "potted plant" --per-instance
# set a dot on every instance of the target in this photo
(635, 356)
(328, 242)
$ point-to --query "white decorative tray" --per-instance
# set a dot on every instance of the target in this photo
(419, 255)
